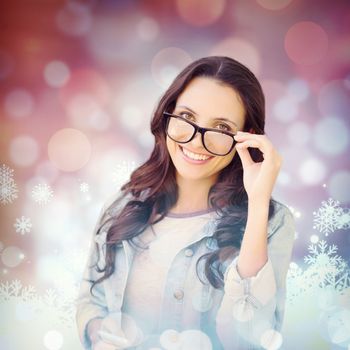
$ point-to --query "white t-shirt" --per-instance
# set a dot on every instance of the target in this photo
(144, 290)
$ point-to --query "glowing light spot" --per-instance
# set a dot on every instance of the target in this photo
(11, 256)
(286, 109)
(298, 89)
(19, 103)
(334, 99)
(274, 5)
(312, 171)
(195, 339)
(24, 150)
(170, 339)
(314, 239)
(56, 73)
(241, 50)
(331, 136)
(132, 117)
(148, 29)
(306, 43)
(167, 64)
(200, 12)
(74, 19)
(69, 149)
(271, 340)
(283, 178)
(53, 340)
(339, 186)
(299, 133)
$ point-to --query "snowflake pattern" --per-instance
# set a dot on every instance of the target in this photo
(23, 225)
(325, 269)
(328, 218)
(53, 301)
(122, 172)
(84, 187)
(42, 193)
(8, 187)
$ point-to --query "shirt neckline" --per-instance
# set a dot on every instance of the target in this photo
(191, 214)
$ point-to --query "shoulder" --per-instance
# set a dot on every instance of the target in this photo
(281, 218)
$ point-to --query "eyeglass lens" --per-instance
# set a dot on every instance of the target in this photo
(215, 141)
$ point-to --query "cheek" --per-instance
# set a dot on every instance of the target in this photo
(171, 145)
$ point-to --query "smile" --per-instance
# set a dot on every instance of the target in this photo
(194, 156)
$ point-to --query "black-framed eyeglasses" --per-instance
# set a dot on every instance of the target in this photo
(215, 141)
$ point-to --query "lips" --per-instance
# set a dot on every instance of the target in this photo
(194, 157)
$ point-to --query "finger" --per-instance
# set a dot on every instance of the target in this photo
(244, 154)
(263, 144)
(242, 136)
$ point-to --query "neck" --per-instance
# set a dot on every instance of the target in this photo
(193, 195)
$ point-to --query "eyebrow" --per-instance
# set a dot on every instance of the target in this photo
(220, 119)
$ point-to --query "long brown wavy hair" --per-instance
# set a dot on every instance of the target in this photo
(152, 189)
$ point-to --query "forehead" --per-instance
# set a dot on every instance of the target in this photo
(211, 99)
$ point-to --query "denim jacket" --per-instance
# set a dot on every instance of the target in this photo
(246, 314)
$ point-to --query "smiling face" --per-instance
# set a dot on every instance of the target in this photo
(208, 104)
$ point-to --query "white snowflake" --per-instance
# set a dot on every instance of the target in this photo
(328, 267)
(327, 218)
(122, 172)
(23, 225)
(344, 219)
(42, 193)
(51, 302)
(84, 187)
(8, 187)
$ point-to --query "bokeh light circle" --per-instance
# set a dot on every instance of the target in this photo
(200, 13)
(147, 29)
(339, 186)
(314, 239)
(306, 43)
(274, 5)
(271, 340)
(331, 136)
(334, 99)
(56, 73)
(298, 89)
(241, 50)
(19, 103)
(12, 256)
(167, 64)
(195, 339)
(74, 19)
(312, 171)
(170, 339)
(69, 149)
(298, 133)
(286, 109)
(24, 150)
(53, 340)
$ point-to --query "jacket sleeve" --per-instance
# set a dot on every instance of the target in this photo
(252, 309)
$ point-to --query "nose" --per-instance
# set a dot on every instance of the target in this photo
(197, 141)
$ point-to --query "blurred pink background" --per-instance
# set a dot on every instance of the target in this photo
(79, 81)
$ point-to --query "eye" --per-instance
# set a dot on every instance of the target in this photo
(224, 127)
(186, 115)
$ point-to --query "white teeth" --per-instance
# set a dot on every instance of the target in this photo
(194, 156)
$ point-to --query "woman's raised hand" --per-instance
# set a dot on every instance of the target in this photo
(258, 178)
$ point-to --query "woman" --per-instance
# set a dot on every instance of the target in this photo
(193, 253)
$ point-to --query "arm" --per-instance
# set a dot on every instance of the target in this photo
(255, 304)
